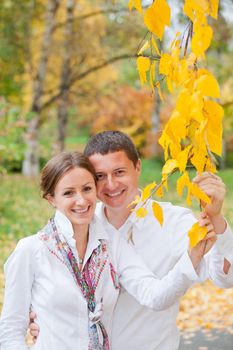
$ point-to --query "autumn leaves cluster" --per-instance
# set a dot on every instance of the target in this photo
(193, 133)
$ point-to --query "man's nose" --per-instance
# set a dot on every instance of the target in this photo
(111, 183)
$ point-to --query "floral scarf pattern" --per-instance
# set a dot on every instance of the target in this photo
(87, 279)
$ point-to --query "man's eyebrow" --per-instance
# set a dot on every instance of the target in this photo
(103, 172)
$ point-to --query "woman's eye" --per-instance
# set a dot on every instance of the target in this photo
(87, 188)
(68, 193)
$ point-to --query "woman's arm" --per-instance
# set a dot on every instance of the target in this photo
(19, 275)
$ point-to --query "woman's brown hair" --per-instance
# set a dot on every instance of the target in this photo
(58, 166)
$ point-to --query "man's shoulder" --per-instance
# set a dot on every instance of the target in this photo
(170, 208)
(171, 213)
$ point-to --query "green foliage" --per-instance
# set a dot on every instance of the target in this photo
(12, 126)
(15, 22)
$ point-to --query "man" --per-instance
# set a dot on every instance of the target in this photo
(117, 167)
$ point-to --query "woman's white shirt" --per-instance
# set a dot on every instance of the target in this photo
(36, 279)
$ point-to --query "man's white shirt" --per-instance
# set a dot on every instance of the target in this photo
(136, 327)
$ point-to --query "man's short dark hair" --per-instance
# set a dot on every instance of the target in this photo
(111, 141)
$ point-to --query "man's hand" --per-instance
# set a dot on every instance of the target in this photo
(33, 327)
(213, 186)
(197, 253)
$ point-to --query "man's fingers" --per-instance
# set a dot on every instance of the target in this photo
(206, 175)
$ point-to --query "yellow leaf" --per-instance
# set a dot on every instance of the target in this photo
(208, 86)
(170, 85)
(196, 234)
(141, 212)
(165, 64)
(210, 166)
(176, 126)
(157, 16)
(214, 112)
(130, 4)
(145, 46)
(136, 4)
(196, 106)
(152, 75)
(198, 193)
(199, 159)
(147, 191)
(159, 192)
(182, 182)
(157, 84)
(165, 182)
(136, 201)
(143, 65)
(174, 40)
(201, 40)
(155, 46)
(208, 7)
(169, 166)
(183, 157)
(158, 212)
(213, 8)
(188, 10)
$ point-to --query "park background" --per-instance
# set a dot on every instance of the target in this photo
(67, 71)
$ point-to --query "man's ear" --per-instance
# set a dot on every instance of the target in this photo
(138, 166)
(50, 199)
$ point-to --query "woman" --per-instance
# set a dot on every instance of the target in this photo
(71, 271)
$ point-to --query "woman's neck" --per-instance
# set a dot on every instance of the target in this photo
(81, 234)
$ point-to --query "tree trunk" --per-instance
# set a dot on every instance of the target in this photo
(31, 160)
(62, 113)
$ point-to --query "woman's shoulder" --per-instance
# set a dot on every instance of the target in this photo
(27, 247)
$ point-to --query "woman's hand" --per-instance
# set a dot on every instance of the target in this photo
(33, 327)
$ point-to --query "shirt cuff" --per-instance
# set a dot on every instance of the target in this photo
(187, 268)
(224, 244)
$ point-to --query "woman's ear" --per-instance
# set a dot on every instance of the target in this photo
(50, 199)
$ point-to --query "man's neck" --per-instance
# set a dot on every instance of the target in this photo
(117, 217)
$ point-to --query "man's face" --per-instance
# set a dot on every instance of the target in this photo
(117, 176)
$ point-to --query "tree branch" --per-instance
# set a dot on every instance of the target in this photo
(92, 14)
(82, 75)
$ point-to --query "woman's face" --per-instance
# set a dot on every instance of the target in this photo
(75, 196)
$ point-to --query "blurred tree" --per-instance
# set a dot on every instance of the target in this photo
(71, 50)
(15, 21)
(31, 161)
(128, 110)
(12, 127)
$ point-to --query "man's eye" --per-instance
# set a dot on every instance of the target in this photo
(99, 177)
(120, 172)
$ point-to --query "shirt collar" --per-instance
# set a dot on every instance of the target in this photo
(131, 220)
(96, 228)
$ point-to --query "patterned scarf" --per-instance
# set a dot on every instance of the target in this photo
(87, 279)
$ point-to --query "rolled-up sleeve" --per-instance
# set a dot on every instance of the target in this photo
(19, 275)
(150, 291)
(213, 263)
